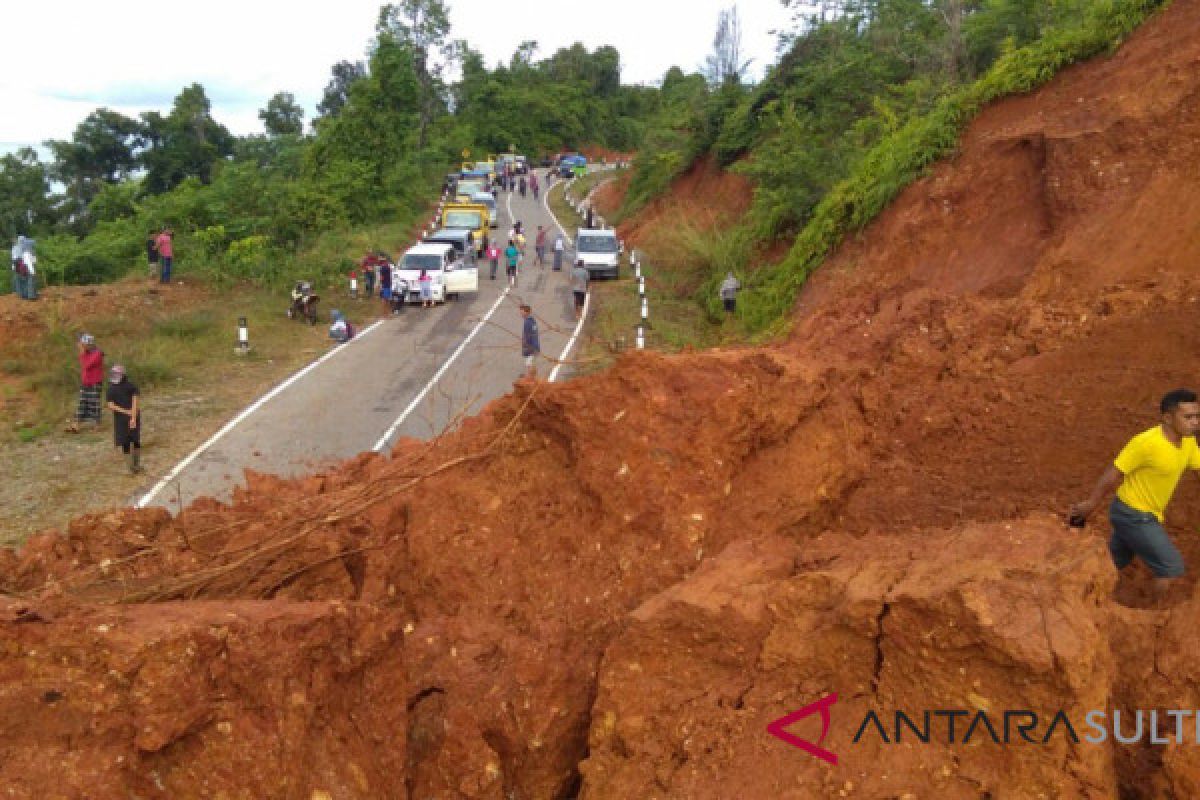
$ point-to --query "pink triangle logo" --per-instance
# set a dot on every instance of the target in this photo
(778, 728)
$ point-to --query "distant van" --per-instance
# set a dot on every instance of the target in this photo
(599, 250)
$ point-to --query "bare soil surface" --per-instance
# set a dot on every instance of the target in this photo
(609, 588)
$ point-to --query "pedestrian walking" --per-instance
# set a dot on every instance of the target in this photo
(425, 284)
(1144, 475)
(511, 258)
(166, 254)
(122, 400)
(494, 258)
(560, 245)
(531, 347)
(579, 287)
(539, 246)
(91, 378)
(728, 292)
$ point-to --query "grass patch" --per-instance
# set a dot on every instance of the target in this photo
(165, 348)
(579, 188)
(32, 433)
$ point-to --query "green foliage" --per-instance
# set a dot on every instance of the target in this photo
(904, 155)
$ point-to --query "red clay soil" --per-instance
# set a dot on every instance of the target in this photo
(609, 588)
(705, 197)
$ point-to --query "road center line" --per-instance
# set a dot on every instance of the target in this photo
(383, 440)
(182, 465)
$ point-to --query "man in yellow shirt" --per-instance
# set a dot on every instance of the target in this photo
(1145, 474)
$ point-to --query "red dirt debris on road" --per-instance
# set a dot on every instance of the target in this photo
(609, 588)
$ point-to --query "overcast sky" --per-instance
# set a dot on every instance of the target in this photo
(65, 58)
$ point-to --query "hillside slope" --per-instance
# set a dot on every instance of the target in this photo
(609, 589)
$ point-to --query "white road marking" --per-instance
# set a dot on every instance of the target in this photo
(182, 465)
(587, 300)
(383, 440)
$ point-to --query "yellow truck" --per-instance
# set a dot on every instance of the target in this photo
(469, 216)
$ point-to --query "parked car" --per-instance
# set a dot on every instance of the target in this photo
(599, 250)
(449, 274)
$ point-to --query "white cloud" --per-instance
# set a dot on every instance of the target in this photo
(134, 56)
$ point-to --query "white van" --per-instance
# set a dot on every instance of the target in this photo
(599, 250)
(450, 275)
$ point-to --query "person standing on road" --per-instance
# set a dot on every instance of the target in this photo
(91, 378)
(560, 245)
(531, 347)
(539, 246)
(1145, 475)
(512, 256)
(494, 259)
(122, 400)
(425, 284)
(729, 290)
(579, 287)
(166, 255)
(533, 184)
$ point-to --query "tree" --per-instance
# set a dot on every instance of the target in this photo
(188, 142)
(102, 150)
(24, 190)
(422, 26)
(725, 64)
(283, 115)
(337, 91)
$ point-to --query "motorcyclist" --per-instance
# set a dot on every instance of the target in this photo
(302, 297)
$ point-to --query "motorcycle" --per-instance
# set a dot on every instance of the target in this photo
(304, 306)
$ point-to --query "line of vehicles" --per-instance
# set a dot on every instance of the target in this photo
(450, 256)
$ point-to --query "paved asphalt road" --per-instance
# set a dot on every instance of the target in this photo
(392, 380)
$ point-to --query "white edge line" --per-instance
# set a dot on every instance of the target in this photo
(182, 465)
(383, 440)
(587, 299)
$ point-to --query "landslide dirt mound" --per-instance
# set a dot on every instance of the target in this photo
(609, 588)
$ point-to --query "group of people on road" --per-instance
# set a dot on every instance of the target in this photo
(121, 398)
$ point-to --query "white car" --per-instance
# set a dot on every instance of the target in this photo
(599, 250)
(449, 274)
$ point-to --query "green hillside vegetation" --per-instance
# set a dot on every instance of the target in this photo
(288, 204)
(863, 102)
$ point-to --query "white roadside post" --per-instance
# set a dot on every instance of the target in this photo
(243, 344)
(641, 337)
(354, 285)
